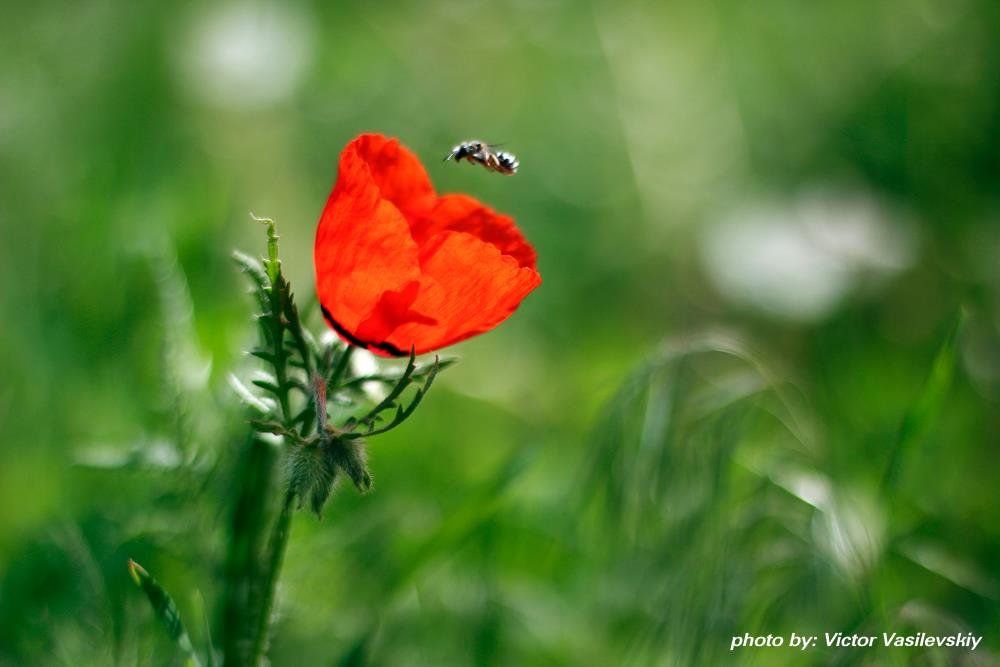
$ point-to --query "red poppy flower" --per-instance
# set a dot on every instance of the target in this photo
(399, 267)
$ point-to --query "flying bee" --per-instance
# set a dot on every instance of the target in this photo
(482, 153)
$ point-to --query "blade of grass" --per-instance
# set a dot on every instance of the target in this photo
(165, 610)
(924, 410)
(207, 629)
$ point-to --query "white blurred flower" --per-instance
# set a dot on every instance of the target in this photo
(364, 363)
(857, 232)
(244, 55)
(327, 338)
(798, 260)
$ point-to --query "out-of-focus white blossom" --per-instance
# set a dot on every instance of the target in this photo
(799, 259)
(244, 55)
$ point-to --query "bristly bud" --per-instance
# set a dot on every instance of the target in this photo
(314, 467)
(311, 474)
(351, 458)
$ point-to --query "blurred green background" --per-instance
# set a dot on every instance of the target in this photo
(757, 224)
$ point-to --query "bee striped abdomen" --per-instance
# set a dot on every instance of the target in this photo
(506, 163)
(501, 162)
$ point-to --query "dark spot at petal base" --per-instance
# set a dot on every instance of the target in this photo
(354, 340)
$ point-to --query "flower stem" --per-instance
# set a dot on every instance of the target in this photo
(275, 558)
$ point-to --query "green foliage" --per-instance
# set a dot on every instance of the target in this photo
(573, 493)
(705, 430)
(759, 532)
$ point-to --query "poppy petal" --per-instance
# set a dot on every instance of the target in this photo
(363, 247)
(398, 268)
(469, 285)
(392, 311)
(462, 213)
(396, 171)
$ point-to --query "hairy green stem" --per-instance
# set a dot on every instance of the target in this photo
(275, 557)
(280, 355)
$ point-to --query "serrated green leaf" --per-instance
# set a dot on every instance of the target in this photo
(389, 401)
(356, 383)
(263, 354)
(401, 413)
(300, 385)
(420, 373)
(253, 268)
(267, 386)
